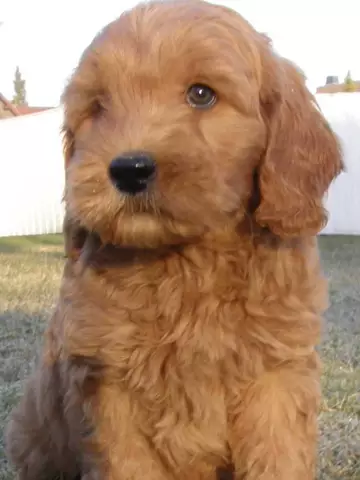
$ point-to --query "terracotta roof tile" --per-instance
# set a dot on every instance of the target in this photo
(8, 105)
(26, 110)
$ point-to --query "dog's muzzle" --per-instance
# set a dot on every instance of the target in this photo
(132, 172)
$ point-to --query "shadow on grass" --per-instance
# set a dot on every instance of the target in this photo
(20, 341)
(20, 345)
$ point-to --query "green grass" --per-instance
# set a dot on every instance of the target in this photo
(29, 280)
(31, 243)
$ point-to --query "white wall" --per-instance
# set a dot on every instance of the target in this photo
(342, 110)
(32, 174)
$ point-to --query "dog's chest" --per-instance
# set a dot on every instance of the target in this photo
(166, 338)
(170, 366)
(189, 316)
(172, 331)
(178, 400)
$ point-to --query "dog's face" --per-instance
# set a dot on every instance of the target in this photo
(171, 111)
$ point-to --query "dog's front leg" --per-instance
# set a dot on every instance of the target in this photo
(274, 427)
(123, 452)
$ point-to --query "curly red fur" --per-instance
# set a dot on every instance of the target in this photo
(183, 342)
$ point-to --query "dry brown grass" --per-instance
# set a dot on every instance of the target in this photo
(30, 271)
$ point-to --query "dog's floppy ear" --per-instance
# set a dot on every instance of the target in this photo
(74, 234)
(74, 238)
(302, 155)
(68, 143)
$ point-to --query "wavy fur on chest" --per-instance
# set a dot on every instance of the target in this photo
(179, 334)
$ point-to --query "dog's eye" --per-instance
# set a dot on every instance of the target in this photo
(201, 96)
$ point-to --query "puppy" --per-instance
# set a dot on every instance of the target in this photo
(183, 342)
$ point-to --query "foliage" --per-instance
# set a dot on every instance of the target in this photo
(349, 83)
(19, 88)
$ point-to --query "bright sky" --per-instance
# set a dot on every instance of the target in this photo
(46, 37)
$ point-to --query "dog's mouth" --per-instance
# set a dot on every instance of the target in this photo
(142, 203)
(157, 216)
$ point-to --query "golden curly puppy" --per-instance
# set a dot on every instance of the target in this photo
(183, 343)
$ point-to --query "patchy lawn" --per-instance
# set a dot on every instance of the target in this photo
(29, 280)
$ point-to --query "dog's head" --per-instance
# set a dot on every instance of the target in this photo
(177, 113)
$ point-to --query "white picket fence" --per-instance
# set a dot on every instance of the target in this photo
(32, 170)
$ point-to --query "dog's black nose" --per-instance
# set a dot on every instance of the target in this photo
(131, 172)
